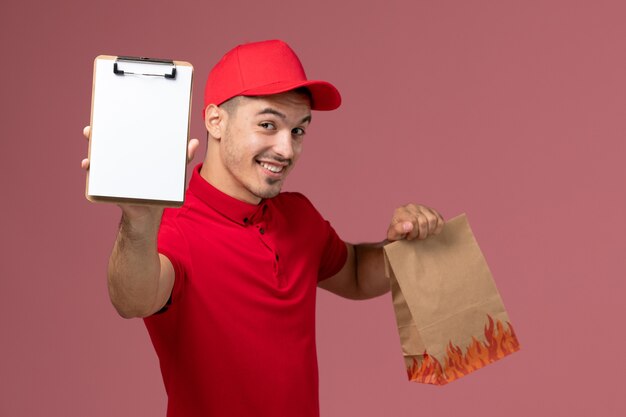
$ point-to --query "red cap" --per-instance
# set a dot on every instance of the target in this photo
(264, 68)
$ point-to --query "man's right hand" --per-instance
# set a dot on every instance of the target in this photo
(141, 213)
(140, 279)
(192, 147)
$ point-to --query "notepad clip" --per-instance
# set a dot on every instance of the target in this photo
(135, 65)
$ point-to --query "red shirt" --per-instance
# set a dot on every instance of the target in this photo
(238, 336)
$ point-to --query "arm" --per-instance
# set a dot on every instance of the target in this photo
(140, 280)
(363, 275)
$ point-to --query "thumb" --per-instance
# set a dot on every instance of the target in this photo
(192, 148)
(399, 230)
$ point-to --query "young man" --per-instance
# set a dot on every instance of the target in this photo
(226, 284)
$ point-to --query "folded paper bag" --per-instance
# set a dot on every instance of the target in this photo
(450, 316)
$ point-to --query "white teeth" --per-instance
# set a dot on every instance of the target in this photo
(272, 168)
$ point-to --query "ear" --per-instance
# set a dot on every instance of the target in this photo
(214, 121)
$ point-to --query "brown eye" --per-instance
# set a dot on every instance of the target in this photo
(267, 125)
(298, 131)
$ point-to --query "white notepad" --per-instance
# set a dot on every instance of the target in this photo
(139, 130)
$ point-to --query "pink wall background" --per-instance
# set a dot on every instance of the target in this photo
(513, 112)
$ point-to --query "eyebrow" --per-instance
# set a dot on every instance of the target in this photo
(269, 110)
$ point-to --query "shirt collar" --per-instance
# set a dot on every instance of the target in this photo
(236, 210)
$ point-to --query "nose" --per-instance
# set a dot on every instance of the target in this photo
(283, 146)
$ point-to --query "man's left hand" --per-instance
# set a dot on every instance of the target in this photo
(414, 221)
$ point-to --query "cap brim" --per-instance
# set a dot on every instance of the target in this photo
(324, 95)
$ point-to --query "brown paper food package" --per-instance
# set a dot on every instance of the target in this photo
(450, 316)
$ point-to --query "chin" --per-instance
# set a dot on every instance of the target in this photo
(268, 191)
(271, 193)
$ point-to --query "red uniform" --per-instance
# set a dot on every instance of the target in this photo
(238, 335)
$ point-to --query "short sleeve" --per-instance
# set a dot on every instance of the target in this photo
(330, 248)
(172, 244)
(334, 255)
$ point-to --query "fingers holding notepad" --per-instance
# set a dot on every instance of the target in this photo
(191, 148)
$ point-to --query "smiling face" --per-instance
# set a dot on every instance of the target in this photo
(254, 143)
